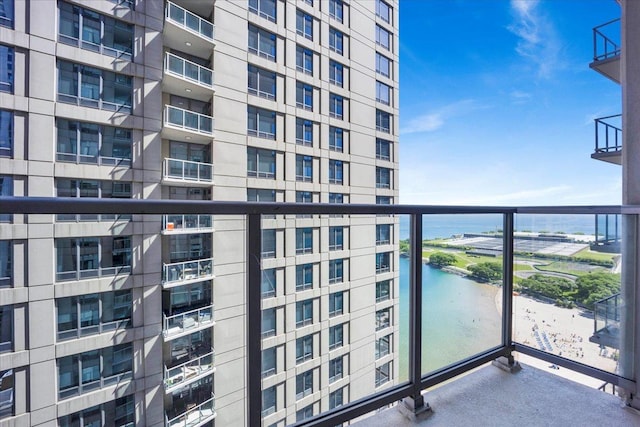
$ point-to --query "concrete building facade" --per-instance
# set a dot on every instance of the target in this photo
(139, 320)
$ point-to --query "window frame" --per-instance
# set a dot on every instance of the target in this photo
(336, 41)
(304, 240)
(258, 7)
(259, 35)
(336, 73)
(304, 313)
(261, 117)
(304, 24)
(336, 303)
(336, 271)
(260, 77)
(336, 172)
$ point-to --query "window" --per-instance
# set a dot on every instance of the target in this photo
(304, 24)
(336, 198)
(265, 8)
(6, 133)
(7, 70)
(268, 283)
(92, 188)
(383, 318)
(118, 413)
(383, 346)
(383, 290)
(383, 374)
(336, 10)
(336, 139)
(304, 96)
(336, 304)
(6, 263)
(383, 93)
(335, 398)
(383, 37)
(82, 142)
(383, 178)
(383, 262)
(304, 277)
(304, 349)
(6, 330)
(304, 168)
(188, 247)
(384, 200)
(304, 413)
(336, 238)
(336, 172)
(336, 271)
(383, 149)
(6, 13)
(259, 195)
(383, 234)
(336, 41)
(93, 31)
(6, 190)
(304, 313)
(304, 197)
(336, 106)
(94, 369)
(304, 241)
(261, 163)
(89, 257)
(262, 82)
(336, 336)
(268, 362)
(383, 121)
(262, 42)
(336, 73)
(304, 384)
(93, 313)
(261, 122)
(268, 322)
(304, 60)
(304, 132)
(269, 399)
(383, 11)
(383, 65)
(7, 400)
(268, 243)
(336, 369)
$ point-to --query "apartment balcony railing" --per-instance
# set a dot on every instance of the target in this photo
(181, 224)
(187, 31)
(187, 322)
(181, 273)
(505, 341)
(187, 121)
(608, 136)
(188, 372)
(196, 416)
(187, 172)
(606, 49)
(607, 317)
(187, 70)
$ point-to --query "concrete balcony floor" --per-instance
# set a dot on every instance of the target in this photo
(492, 397)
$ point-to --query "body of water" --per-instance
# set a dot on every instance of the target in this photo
(460, 318)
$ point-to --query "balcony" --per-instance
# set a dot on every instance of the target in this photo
(181, 124)
(188, 322)
(182, 76)
(186, 172)
(188, 32)
(608, 139)
(182, 273)
(607, 321)
(188, 372)
(195, 416)
(184, 224)
(606, 50)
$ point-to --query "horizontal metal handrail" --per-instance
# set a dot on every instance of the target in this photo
(193, 319)
(189, 21)
(204, 74)
(180, 118)
(194, 367)
(609, 48)
(187, 170)
(608, 136)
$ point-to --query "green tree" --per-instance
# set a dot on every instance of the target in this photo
(549, 286)
(486, 271)
(404, 246)
(596, 286)
(441, 259)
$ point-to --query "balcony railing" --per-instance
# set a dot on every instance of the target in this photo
(187, 70)
(604, 44)
(189, 121)
(608, 134)
(187, 171)
(189, 371)
(189, 21)
(187, 271)
(195, 416)
(189, 321)
(418, 380)
(187, 223)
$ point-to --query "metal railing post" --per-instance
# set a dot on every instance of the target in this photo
(253, 320)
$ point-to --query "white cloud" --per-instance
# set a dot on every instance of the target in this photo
(434, 120)
(519, 97)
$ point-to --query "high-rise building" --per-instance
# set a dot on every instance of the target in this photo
(116, 319)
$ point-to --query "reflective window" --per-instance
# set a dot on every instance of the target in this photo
(304, 413)
(336, 10)
(7, 68)
(336, 73)
(6, 263)
(383, 234)
(304, 168)
(82, 142)
(336, 271)
(6, 133)
(336, 369)
(304, 241)
(95, 189)
(336, 139)
(268, 283)
(336, 238)
(383, 11)
(304, 96)
(6, 190)
(304, 60)
(383, 262)
(261, 163)
(336, 304)
(336, 172)
(336, 106)
(304, 385)
(304, 313)
(269, 400)
(262, 42)
(90, 257)
(383, 318)
(383, 374)
(336, 40)
(304, 132)
(383, 121)
(7, 401)
(261, 122)
(268, 322)
(383, 177)
(335, 398)
(383, 65)
(304, 349)
(6, 13)
(304, 24)
(383, 290)
(6, 328)
(269, 356)
(383, 149)
(383, 346)
(119, 413)
(269, 243)
(304, 277)
(336, 336)
(383, 93)
(383, 37)
(265, 8)
(93, 313)
(262, 82)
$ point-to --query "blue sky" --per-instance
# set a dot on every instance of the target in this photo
(497, 103)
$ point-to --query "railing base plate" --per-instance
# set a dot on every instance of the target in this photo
(507, 364)
(408, 408)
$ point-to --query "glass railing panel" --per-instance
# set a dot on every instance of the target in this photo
(186, 170)
(567, 290)
(188, 120)
(187, 270)
(188, 70)
(189, 21)
(187, 222)
(189, 320)
(461, 287)
(175, 375)
(195, 416)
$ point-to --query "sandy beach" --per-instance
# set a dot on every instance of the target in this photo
(560, 331)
